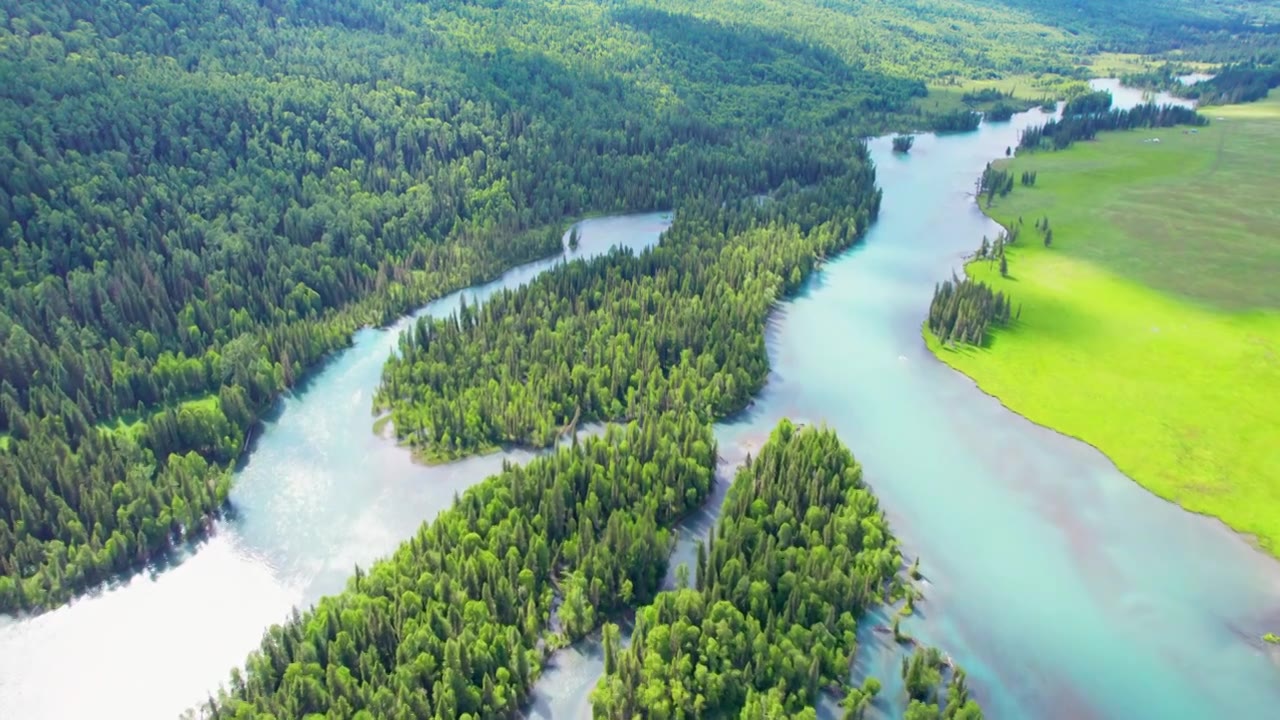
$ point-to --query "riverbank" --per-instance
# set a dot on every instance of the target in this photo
(317, 494)
(1150, 327)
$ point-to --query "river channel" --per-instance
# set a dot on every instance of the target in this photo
(1062, 587)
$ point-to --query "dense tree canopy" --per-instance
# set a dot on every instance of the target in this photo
(455, 623)
(680, 326)
(198, 201)
(1240, 83)
(1091, 116)
(800, 551)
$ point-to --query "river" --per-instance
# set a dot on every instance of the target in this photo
(318, 494)
(1061, 586)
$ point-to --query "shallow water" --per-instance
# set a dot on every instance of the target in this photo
(1061, 586)
(318, 494)
(1125, 96)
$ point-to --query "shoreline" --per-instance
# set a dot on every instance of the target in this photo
(944, 354)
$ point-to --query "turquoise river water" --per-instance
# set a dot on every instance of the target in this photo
(1062, 587)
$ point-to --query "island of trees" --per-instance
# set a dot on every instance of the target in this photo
(957, 121)
(1232, 84)
(800, 552)
(677, 327)
(457, 622)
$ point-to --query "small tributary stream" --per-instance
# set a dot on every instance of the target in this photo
(1062, 587)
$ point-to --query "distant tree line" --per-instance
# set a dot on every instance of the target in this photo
(800, 552)
(1060, 134)
(1234, 83)
(1238, 83)
(956, 121)
(985, 95)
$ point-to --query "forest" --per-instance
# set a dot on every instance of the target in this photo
(677, 327)
(1091, 116)
(194, 219)
(1232, 84)
(200, 201)
(456, 623)
(800, 551)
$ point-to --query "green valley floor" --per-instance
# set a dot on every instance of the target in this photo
(1150, 328)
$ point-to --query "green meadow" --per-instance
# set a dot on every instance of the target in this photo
(1151, 327)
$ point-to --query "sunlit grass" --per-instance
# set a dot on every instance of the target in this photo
(1151, 327)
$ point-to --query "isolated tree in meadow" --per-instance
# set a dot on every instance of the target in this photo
(1048, 238)
(1004, 266)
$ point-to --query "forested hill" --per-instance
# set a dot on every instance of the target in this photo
(199, 200)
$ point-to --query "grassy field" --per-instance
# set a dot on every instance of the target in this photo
(1151, 327)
